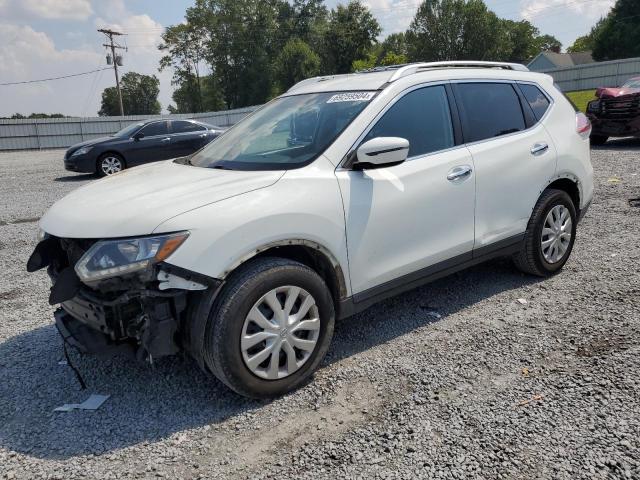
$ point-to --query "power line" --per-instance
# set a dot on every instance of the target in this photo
(52, 78)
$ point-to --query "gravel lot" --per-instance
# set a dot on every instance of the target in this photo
(487, 387)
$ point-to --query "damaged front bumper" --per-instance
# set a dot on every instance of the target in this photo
(146, 315)
(616, 116)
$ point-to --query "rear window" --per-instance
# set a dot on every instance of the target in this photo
(537, 100)
(489, 110)
(181, 126)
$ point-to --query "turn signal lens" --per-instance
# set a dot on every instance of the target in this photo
(170, 246)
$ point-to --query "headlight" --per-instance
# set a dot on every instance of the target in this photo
(81, 151)
(112, 258)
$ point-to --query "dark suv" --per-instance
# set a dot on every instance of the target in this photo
(616, 112)
(139, 143)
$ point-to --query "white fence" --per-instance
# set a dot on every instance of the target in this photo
(594, 75)
(64, 132)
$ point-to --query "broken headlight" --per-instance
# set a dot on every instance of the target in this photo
(113, 258)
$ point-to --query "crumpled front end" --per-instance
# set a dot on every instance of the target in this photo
(143, 314)
(615, 116)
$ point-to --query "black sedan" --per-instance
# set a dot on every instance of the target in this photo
(140, 143)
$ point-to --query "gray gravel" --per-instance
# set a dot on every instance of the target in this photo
(494, 388)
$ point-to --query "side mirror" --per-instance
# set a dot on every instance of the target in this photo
(382, 152)
(138, 136)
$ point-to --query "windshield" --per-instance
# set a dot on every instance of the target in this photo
(126, 132)
(633, 83)
(287, 133)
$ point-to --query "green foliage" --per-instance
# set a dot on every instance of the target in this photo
(185, 45)
(252, 49)
(295, 62)
(139, 96)
(351, 32)
(618, 35)
(453, 30)
(19, 116)
(467, 29)
(203, 96)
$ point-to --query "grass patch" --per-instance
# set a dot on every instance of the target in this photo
(581, 98)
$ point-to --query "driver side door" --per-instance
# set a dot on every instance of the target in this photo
(405, 221)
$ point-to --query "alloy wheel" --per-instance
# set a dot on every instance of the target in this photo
(111, 165)
(556, 234)
(280, 332)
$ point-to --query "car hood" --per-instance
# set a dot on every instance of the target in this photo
(136, 201)
(616, 92)
(88, 143)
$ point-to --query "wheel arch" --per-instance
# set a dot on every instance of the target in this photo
(307, 252)
(570, 185)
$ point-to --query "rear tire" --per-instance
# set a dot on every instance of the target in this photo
(294, 346)
(550, 235)
(109, 164)
(598, 140)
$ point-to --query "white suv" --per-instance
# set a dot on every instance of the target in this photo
(343, 191)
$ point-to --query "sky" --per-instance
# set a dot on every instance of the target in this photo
(50, 38)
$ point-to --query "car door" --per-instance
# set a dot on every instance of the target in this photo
(513, 154)
(187, 137)
(405, 221)
(153, 145)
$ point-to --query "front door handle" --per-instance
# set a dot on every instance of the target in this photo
(459, 173)
(164, 140)
(539, 148)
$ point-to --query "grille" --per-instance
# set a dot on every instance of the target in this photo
(620, 108)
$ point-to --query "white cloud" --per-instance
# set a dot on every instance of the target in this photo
(393, 15)
(47, 9)
(32, 55)
(537, 10)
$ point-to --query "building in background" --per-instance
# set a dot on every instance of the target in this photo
(549, 60)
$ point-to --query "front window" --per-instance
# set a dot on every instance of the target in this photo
(633, 83)
(287, 133)
(129, 130)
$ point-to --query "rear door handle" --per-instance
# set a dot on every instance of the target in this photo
(539, 148)
(459, 173)
(165, 140)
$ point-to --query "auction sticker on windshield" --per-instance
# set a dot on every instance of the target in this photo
(352, 97)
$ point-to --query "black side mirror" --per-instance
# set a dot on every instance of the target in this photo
(138, 136)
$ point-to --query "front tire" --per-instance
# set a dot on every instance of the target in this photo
(109, 164)
(270, 328)
(550, 235)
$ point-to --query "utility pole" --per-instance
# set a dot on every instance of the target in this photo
(113, 46)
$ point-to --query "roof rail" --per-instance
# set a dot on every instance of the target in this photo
(410, 69)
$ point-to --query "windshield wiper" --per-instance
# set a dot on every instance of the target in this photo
(220, 167)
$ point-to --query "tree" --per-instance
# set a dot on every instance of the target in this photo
(296, 62)
(241, 41)
(350, 34)
(209, 98)
(453, 30)
(185, 46)
(619, 34)
(139, 96)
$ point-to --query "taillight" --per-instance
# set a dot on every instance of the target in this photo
(583, 125)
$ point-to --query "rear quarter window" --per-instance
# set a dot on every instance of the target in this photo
(489, 110)
(537, 100)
